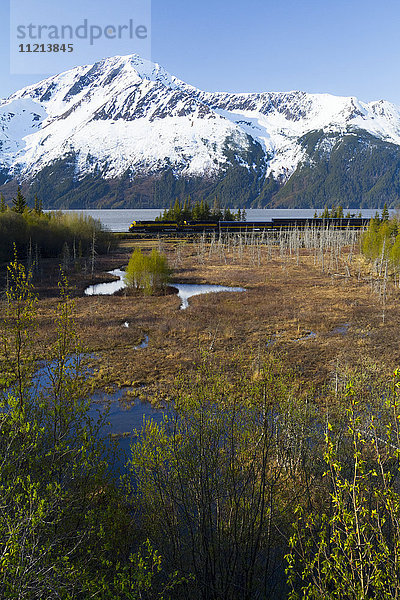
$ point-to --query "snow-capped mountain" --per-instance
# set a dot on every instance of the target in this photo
(124, 132)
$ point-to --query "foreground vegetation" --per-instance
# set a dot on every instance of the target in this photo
(36, 235)
(350, 547)
(63, 522)
(252, 465)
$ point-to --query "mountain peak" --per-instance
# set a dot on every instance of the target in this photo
(125, 116)
(129, 63)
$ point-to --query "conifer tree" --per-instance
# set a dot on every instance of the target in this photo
(376, 220)
(228, 216)
(216, 211)
(339, 212)
(196, 212)
(38, 206)
(325, 214)
(19, 203)
(3, 205)
(385, 213)
(177, 211)
(201, 210)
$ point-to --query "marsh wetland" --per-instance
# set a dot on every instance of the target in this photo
(219, 403)
(322, 312)
(318, 312)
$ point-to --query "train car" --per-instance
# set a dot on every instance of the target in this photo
(301, 223)
(243, 226)
(166, 227)
(200, 226)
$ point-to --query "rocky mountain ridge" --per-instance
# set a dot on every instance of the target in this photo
(124, 133)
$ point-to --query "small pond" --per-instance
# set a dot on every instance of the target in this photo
(308, 336)
(341, 329)
(142, 344)
(123, 413)
(107, 289)
(122, 417)
(185, 290)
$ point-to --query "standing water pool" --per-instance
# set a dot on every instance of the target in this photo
(185, 290)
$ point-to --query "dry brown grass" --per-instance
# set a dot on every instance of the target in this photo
(285, 301)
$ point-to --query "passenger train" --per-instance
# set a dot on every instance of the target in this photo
(190, 227)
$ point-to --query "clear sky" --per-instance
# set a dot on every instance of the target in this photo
(343, 47)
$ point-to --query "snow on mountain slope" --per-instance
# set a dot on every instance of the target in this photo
(117, 114)
(18, 119)
(125, 114)
(279, 120)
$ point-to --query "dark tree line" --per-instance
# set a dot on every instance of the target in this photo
(199, 211)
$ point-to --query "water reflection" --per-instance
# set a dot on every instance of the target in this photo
(107, 289)
(123, 417)
(185, 290)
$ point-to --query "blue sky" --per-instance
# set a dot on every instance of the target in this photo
(340, 47)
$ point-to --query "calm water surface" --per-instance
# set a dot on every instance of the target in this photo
(107, 289)
(185, 290)
(122, 419)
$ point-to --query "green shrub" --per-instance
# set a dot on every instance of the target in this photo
(382, 240)
(149, 274)
(351, 548)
